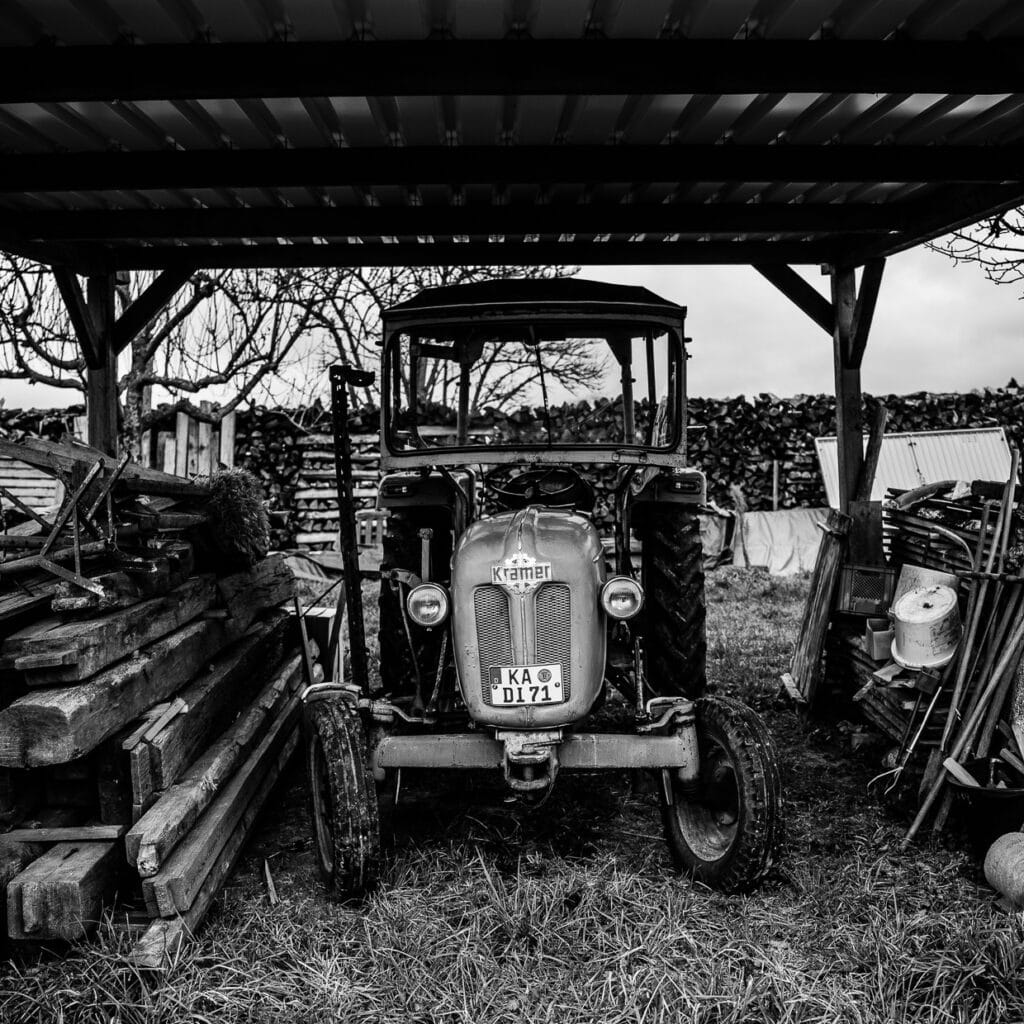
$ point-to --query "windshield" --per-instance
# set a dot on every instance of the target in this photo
(575, 385)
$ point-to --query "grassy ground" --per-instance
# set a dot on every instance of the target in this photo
(572, 914)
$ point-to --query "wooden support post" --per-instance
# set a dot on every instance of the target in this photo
(101, 380)
(849, 428)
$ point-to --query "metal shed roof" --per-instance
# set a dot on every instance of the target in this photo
(175, 133)
(911, 460)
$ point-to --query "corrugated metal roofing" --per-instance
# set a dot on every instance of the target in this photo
(147, 133)
(911, 460)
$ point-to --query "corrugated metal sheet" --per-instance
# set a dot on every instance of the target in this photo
(910, 460)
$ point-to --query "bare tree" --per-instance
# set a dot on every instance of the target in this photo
(244, 335)
(996, 244)
(232, 334)
(347, 305)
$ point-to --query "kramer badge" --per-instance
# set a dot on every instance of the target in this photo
(520, 573)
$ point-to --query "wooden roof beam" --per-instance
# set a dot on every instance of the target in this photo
(474, 254)
(148, 305)
(80, 315)
(474, 219)
(559, 67)
(453, 165)
(803, 295)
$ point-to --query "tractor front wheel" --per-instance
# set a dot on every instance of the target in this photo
(726, 830)
(346, 825)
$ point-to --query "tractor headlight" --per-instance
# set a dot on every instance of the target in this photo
(622, 597)
(428, 604)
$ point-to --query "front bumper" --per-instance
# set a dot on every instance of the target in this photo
(577, 752)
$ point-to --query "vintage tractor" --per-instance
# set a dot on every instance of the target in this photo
(505, 616)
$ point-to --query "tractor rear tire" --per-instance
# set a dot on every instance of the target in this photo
(346, 822)
(727, 832)
(674, 608)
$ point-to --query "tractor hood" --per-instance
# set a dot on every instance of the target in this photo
(526, 591)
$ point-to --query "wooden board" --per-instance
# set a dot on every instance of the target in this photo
(137, 479)
(72, 651)
(805, 668)
(61, 894)
(66, 834)
(57, 725)
(174, 888)
(31, 594)
(152, 838)
(213, 697)
(162, 942)
(247, 594)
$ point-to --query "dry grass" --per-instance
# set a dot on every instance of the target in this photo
(572, 915)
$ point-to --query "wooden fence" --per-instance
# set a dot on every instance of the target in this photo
(193, 448)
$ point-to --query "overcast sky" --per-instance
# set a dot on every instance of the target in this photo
(938, 327)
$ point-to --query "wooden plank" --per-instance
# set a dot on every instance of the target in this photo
(181, 421)
(805, 668)
(213, 696)
(151, 840)
(174, 888)
(61, 894)
(192, 458)
(67, 834)
(160, 945)
(113, 780)
(79, 649)
(143, 783)
(204, 442)
(170, 453)
(53, 726)
(18, 642)
(136, 479)
(227, 439)
(16, 856)
(266, 585)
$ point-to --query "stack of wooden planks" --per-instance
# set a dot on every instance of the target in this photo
(141, 728)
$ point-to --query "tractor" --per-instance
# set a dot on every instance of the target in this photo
(507, 616)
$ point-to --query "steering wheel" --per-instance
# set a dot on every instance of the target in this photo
(555, 486)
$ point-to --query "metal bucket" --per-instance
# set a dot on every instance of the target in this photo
(926, 627)
(914, 576)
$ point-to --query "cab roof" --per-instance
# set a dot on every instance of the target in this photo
(538, 295)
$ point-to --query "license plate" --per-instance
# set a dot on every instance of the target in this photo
(523, 685)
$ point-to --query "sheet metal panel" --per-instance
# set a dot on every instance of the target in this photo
(910, 460)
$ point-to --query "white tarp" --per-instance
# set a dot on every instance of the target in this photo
(783, 542)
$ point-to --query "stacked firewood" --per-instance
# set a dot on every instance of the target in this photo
(149, 687)
(266, 444)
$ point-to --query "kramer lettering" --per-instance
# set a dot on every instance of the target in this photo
(531, 575)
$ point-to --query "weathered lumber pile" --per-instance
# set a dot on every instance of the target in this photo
(149, 682)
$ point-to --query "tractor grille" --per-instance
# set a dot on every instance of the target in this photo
(493, 634)
(554, 630)
(553, 642)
